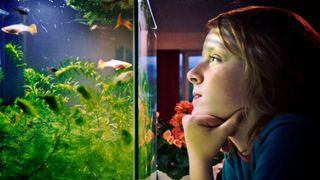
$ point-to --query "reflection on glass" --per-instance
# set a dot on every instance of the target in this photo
(146, 155)
(66, 110)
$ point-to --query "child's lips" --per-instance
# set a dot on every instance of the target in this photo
(195, 97)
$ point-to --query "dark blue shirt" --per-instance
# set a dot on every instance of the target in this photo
(279, 152)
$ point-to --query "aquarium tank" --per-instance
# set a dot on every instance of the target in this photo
(145, 91)
(76, 102)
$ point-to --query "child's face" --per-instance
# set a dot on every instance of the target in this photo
(217, 79)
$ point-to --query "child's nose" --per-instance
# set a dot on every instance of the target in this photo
(195, 76)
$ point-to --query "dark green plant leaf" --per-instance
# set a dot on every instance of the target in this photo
(84, 93)
(126, 137)
(177, 173)
(182, 157)
(52, 102)
(26, 106)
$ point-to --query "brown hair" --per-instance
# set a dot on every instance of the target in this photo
(280, 51)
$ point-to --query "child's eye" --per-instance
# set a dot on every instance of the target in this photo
(214, 59)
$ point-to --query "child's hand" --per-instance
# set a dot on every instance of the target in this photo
(205, 134)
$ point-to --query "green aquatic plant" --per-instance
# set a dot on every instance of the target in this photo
(15, 53)
(66, 69)
(147, 164)
(36, 83)
(75, 67)
(1, 74)
(102, 11)
(63, 128)
(26, 106)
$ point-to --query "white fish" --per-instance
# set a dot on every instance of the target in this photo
(117, 64)
(18, 28)
(93, 27)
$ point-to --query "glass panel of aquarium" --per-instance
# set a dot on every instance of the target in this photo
(66, 90)
(145, 64)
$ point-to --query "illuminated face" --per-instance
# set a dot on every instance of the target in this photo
(217, 88)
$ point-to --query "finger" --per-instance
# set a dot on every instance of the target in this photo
(242, 110)
(231, 123)
(203, 120)
(185, 119)
(209, 121)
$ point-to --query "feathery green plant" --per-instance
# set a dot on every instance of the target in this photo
(102, 11)
(15, 53)
(75, 67)
(64, 129)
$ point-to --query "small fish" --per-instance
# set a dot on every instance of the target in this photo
(123, 76)
(4, 12)
(22, 10)
(93, 27)
(18, 28)
(113, 63)
(52, 69)
(123, 22)
(148, 136)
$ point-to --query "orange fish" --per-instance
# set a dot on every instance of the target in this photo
(113, 63)
(123, 22)
(18, 28)
(148, 136)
